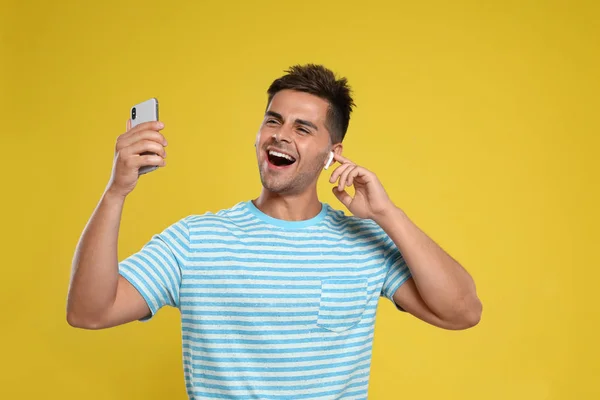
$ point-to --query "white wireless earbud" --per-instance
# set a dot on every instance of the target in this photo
(329, 160)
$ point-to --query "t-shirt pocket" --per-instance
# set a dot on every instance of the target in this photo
(342, 303)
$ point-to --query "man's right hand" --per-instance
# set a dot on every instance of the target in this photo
(129, 159)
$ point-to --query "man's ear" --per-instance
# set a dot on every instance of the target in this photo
(337, 148)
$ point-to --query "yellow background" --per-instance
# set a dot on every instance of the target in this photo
(480, 118)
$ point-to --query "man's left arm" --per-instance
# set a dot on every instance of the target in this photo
(440, 291)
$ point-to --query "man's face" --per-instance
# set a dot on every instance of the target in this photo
(293, 143)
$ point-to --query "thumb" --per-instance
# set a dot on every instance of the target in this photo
(128, 124)
(342, 196)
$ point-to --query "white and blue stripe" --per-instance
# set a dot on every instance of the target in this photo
(271, 309)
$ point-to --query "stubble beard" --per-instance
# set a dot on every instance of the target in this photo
(285, 182)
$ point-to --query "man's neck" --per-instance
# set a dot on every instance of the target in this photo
(300, 207)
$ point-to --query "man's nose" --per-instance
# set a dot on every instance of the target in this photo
(283, 134)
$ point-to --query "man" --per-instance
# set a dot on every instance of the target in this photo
(277, 295)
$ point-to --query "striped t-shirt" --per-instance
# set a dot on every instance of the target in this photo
(271, 309)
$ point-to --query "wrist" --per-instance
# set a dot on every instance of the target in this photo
(114, 196)
(389, 216)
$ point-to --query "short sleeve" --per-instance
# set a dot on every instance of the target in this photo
(396, 271)
(156, 270)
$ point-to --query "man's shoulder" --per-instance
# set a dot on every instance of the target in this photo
(224, 216)
(350, 223)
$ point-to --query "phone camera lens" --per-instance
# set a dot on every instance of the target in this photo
(133, 113)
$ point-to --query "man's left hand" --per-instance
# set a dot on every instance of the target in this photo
(370, 199)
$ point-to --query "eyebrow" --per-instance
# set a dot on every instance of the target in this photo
(298, 121)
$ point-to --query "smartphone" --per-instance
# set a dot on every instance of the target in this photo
(145, 112)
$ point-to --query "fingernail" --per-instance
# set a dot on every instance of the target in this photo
(160, 125)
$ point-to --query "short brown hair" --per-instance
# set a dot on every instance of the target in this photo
(321, 82)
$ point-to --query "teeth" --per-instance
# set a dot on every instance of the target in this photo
(277, 154)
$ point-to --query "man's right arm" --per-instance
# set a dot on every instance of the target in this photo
(99, 297)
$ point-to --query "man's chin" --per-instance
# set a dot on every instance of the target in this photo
(283, 185)
(278, 188)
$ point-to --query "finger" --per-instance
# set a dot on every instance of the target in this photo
(355, 172)
(342, 196)
(338, 171)
(137, 161)
(344, 176)
(128, 124)
(341, 159)
(149, 160)
(145, 126)
(145, 146)
(126, 141)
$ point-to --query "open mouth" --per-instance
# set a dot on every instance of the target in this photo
(279, 159)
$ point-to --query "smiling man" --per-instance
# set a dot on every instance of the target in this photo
(278, 294)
